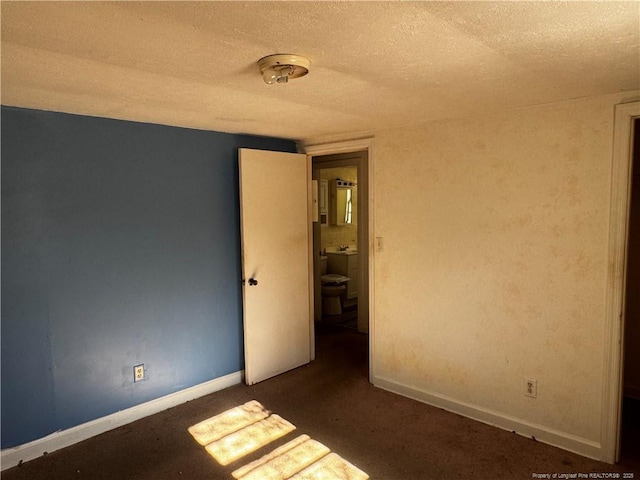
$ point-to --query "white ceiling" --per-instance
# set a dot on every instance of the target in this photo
(374, 65)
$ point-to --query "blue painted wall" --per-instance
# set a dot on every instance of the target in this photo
(120, 245)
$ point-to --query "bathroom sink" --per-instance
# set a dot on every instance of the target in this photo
(344, 252)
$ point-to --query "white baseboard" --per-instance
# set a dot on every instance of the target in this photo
(11, 457)
(543, 434)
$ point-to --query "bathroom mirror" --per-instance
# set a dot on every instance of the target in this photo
(344, 199)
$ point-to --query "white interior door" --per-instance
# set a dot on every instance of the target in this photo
(275, 223)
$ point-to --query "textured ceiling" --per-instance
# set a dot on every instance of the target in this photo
(374, 65)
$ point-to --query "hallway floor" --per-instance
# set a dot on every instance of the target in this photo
(330, 400)
(347, 319)
(630, 441)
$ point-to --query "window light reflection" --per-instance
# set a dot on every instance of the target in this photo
(232, 420)
(238, 444)
(284, 461)
(241, 430)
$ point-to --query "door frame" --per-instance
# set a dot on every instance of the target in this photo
(612, 384)
(352, 146)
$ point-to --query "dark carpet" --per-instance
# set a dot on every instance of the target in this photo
(331, 400)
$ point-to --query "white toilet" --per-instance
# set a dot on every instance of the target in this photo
(334, 288)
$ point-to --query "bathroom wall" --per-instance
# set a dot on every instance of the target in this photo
(120, 246)
(332, 236)
(494, 265)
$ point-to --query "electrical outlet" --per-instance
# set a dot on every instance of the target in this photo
(138, 373)
(531, 387)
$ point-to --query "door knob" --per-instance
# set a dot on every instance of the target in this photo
(252, 282)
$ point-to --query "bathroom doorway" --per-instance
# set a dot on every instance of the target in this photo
(630, 423)
(340, 242)
(361, 345)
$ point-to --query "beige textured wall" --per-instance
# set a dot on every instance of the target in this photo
(494, 265)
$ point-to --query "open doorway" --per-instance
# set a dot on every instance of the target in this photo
(340, 251)
(336, 265)
(630, 424)
(625, 116)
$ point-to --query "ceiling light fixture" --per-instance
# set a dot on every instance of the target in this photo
(279, 68)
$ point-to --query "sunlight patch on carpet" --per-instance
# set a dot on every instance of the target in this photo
(232, 420)
(238, 444)
(331, 467)
(241, 430)
(285, 461)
